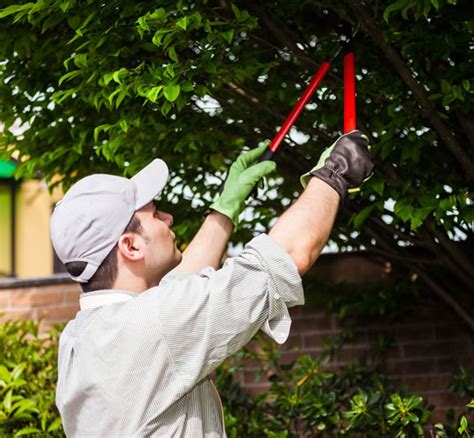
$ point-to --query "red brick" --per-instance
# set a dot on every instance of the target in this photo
(316, 340)
(297, 311)
(448, 400)
(349, 354)
(293, 341)
(417, 332)
(57, 314)
(316, 323)
(438, 416)
(430, 382)
(288, 357)
(254, 390)
(404, 367)
(255, 377)
(16, 314)
(433, 349)
(4, 300)
(375, 332)
(450, 331)
(72, 297)
(35, 298)
(451, 365)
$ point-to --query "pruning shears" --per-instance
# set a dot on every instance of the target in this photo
(349, 95)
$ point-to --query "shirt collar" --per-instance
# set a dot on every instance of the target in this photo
(99, 298)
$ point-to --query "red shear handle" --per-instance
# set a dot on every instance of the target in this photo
(349, 93)
(317, 78)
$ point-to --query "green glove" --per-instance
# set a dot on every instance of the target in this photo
(244, 174)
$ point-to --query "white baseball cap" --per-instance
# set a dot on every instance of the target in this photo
(88, 222)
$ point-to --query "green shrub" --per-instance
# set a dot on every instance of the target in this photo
(305, 397)
(28, 374)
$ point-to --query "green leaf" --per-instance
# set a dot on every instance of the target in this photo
(118, 75)
(463, 424)
(123, 125)
(153, 93)
(27, 431)
(112, 95)
(236, 10)
(172, 54)
(24, 405)
(182, 23)
(228, 36)
(122, 95)
(378, 186)
(99, 129)
(55, 425)
(171, 92)
(445, 87)
(359, 219)
(7, 401)
(4, 374)
(165, 108)
(80, 60)
(400, 4)
(13, 9)
(18, 371)
(159, 35)
(69, 76)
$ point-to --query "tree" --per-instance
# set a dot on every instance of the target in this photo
(108, 86)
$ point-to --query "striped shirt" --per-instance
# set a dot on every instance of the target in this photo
(137, 365)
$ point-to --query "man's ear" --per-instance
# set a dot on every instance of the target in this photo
(130, 246)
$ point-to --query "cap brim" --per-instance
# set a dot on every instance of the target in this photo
(150, 181)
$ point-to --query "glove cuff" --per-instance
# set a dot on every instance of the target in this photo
(226, 211)
(331, 178)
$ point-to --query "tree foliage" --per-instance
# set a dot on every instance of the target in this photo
(107, 86)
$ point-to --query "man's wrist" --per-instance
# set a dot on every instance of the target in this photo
(316, 183)
(333, 179)
(220, 219)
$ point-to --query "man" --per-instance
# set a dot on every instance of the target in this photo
(154, 323)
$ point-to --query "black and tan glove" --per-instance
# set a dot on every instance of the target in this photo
(345, 165)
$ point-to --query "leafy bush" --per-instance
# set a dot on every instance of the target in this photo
(305, 397)
(28, 374)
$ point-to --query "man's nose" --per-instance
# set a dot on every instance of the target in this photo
(167, 218)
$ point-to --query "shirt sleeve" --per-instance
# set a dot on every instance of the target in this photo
(207, 317)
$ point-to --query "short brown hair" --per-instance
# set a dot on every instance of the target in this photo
(105, 276)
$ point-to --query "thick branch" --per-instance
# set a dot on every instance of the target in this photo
(426, 107)
(447, 298)
(467, 125)
(451, 248)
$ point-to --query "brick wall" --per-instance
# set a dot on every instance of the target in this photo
(54, 299)
(427, 344)
(426, 348)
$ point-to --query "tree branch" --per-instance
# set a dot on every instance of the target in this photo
(447, 298)
(426, 107)
(277, 28)
(467, 125)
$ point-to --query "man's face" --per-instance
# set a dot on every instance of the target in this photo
(161, 253)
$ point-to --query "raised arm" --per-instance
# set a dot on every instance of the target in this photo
(304, 228)
(209, 243)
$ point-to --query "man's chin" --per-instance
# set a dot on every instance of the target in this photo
(179, 258)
